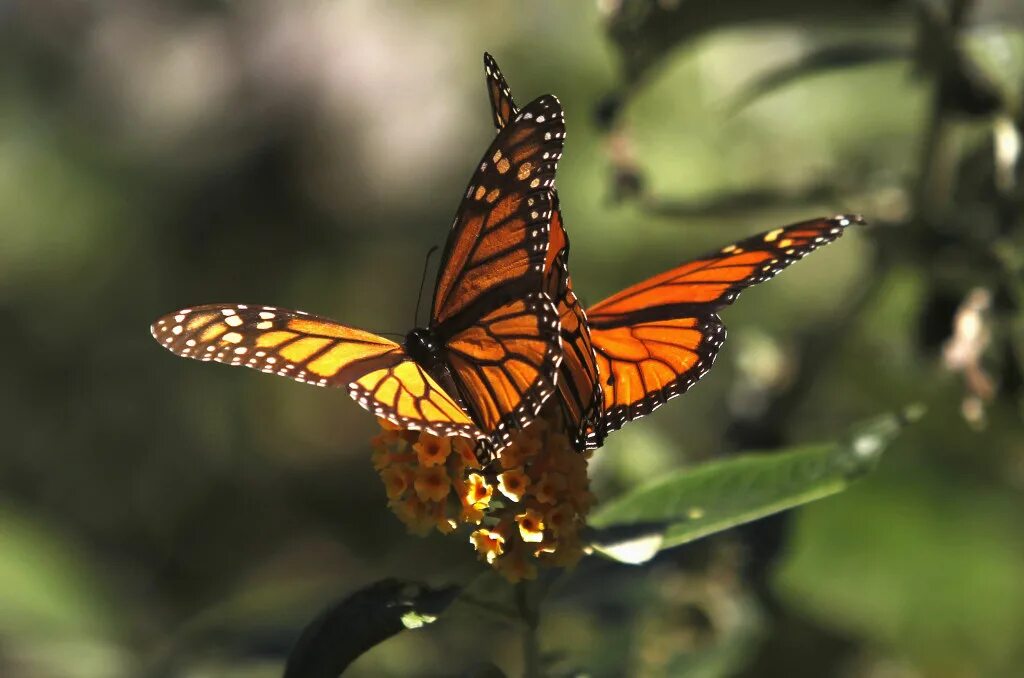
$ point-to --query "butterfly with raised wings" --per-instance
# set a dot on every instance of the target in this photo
(627, 355)
(487, 360)
(579, 389)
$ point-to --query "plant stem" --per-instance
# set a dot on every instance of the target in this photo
(530, 613)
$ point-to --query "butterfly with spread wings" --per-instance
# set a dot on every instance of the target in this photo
(627, 355)
(579, 389)
(486, 361)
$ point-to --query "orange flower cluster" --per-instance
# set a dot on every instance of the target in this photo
(528, 505)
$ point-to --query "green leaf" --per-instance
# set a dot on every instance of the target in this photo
(693, 503)
(369, 616)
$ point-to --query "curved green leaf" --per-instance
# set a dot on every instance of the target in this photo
(369, 616)
(693, 503)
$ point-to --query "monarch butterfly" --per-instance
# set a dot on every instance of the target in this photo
(486, 361)
(634, 351)
(579, 389)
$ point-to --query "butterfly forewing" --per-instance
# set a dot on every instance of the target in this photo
(715, 280)
(375, 371)
(497, 243)
(503, 108)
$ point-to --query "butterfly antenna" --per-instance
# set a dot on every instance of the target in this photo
(423, 281)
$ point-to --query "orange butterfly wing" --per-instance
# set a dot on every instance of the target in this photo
(656, 339)
(579, 388)
(375, 371)
(503, 108)
(504, 363)
(497, 244)
(499, 329)
(717, 279)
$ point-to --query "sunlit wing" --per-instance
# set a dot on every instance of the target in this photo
(374, 371)
(503, 365)
(715, 280)
(579, 389)
(497, 243)
(654, 340)
(645, 364)
(499, 328)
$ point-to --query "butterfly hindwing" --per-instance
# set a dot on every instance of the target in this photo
(579, 386)
(504, 364)
(645, 364)
(375, 371)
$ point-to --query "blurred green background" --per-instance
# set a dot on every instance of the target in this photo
(162, 517)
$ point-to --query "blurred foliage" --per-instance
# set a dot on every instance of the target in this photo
(168, 518)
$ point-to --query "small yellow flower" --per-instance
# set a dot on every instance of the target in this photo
(395, 482)
(464, 449)
(511, 457)
(385, 439)
(442, 522)
(471, 514)
(531, 526)
(489, 544)
(476, 492)
(551, 488)
(515, 567)
(431, 450)
(513, 484)
(529, 442)
(542, 481)
(381, 457)
(559, 519)
(432, 483)
(568, 554)
(418, 516)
